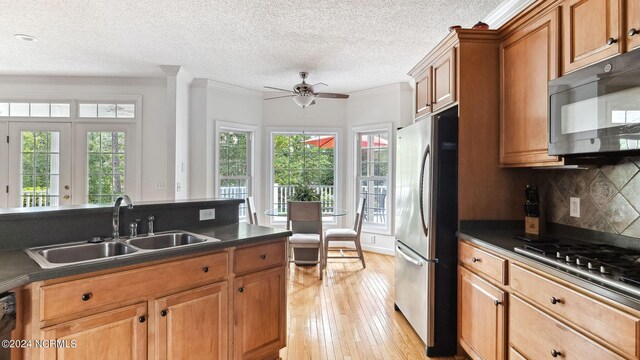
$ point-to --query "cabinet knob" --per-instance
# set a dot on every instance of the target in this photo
(474, 259)
(142, 319)
(555, 353)
(241, 289)
(633, 31)
(554, 300)
(263, 256)
(87, 296)
(497, 302)
(205, 269)
(163, 313)
(611, 41)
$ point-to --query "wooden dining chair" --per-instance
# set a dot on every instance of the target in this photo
(352, 234)
(304, 219)
(251, 211)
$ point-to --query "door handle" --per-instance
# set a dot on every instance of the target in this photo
(427, 152)
(67, 197)
(408, 258)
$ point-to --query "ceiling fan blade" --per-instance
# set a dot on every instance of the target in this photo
(280, 97)
(275, 88)
(331, 96)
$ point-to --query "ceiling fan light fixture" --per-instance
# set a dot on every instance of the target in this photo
(303, 100)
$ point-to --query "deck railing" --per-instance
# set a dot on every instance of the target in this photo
(283, 193)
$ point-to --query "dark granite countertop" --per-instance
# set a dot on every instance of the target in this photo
(17, 268)
(498, 236)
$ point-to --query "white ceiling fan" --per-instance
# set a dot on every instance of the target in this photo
(305, 94)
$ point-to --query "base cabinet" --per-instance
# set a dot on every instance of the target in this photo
(193, 324)
(119, 334)
(259, 314)
(482, 315)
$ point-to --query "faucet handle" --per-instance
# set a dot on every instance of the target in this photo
(151, 218)
(133, 228)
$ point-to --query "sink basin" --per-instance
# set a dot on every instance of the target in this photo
(166, 240)
(53, 256)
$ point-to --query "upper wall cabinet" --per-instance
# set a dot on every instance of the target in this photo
(423, 92)
(528, 60)
(591, 31)
(444, 79)
(435, 81)
(633, 24)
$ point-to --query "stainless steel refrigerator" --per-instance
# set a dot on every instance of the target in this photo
(426, 222)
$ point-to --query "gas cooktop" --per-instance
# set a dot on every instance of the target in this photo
(614, 267)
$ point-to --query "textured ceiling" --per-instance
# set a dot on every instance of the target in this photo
(350, 45)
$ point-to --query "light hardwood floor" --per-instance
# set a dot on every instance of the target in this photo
(349, 314)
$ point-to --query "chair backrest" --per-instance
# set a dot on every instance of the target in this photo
(251, 211)
(304, 217)
(357, 225)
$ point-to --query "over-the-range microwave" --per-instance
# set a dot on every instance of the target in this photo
(595, 111)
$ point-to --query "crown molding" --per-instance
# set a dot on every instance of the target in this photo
(507, 10)
(381, 89)
(213, 84)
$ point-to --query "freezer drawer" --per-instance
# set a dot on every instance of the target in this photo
(412, 291)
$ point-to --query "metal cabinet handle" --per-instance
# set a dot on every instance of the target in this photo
(263, 256)
(408, 258)
(497, 302)
(241, 289)
(554, 300)
(475, 259)
(163, 313)
(87, 296)
(555, 353)
(142, 319)
(633, 31)
(611, 41)
(205, 269)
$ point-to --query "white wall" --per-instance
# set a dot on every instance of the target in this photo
(387, 104)
(152, 90)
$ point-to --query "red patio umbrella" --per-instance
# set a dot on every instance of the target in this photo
(327, 142)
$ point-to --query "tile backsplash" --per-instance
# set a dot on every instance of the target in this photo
(609, 197)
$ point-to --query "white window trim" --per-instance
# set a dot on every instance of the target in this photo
(354, 155)
(338, 132)
(230, 126)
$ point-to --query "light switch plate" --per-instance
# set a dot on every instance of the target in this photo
(207, 214)
(574, 207)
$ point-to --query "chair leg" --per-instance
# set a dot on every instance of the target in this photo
(326, 252)
(359, 248)
(320, 259)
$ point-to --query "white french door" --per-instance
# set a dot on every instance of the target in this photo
(4, 158)
(104, 162)
(39, 164)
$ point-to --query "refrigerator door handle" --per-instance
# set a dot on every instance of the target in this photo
(409, 258)
(425, 157)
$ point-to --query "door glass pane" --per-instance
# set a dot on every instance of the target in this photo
(60, 110)
(106, 110)
(4, 109)
(126, 110)
(40, 168)
(88, 110)
(40, 109)
(19, 109)
(106, 156)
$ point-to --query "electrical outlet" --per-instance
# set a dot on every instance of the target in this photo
(161, 186)
(372, 239)
(207, 214)
(574, 207)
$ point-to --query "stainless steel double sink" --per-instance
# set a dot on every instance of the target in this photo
(83, 252)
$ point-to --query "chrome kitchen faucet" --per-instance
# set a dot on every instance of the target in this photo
(115, 219)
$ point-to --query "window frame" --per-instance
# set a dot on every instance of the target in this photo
(224, 126)
(337, 194)
(356, 132)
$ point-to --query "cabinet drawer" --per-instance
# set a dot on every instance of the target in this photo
(515, 355)
(606, 323)
(76, 298)
(536, 335)
(483, 262)
(259, 257)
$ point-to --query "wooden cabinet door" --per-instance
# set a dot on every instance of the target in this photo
(444, 79)
(193, 324)
(633, 24)
(260, 314)
(591, 31)
(423, 92)
(482, 317)
(528, 60)
(118, 334)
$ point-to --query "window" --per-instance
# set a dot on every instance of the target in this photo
(373, 169)
(301, 159)
(35, 109)
(40, 170)
(106, 158)
(234, 165)
(121, 111)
